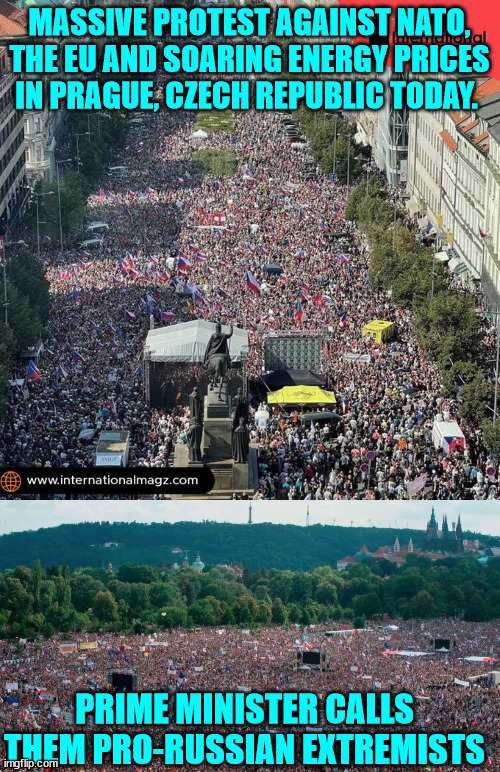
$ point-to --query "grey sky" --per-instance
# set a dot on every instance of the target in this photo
(483, 517)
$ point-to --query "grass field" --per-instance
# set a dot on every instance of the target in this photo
(215, 121)
(216, 162)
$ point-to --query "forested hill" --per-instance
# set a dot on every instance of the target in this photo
(254, 546)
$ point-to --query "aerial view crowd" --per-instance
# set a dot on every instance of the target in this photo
(452, 690)
(168, 226)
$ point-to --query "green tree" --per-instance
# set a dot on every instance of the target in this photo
(201, 612)
(491, 434)
(278, 612)
(477, 609)
(27, 275)
(476, 398)
(423, 605)
(105, 607)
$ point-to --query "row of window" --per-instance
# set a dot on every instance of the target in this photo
(10, 179)
(9, 154)
(9, 129)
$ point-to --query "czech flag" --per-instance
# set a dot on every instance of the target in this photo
(252, 283)
(130, 315)
(62, 371)
(33, 372)
(300, 311)
(167, 316)
(78, 357)
(183, 264)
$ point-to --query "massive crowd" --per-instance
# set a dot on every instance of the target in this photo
(164, 230)
(39, 680)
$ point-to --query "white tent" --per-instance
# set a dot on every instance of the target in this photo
(200, 134)
(187, 342)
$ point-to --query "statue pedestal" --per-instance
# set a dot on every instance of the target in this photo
(216, 442)
(217, 453)
(181, 457)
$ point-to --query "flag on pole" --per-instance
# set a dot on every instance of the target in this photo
(131, 316)
(33, 372)
(183, 265)
(167, 316)
(62, 371)
(252, 283)
(78, 357)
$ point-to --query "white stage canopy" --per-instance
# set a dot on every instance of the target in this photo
(187, 342)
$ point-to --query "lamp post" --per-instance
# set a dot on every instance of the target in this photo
(39, 195)
(4, 265)
(66, 160)
(78, 135)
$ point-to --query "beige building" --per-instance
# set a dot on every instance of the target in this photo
(454, 186)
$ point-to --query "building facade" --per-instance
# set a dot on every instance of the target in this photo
(454, 186)
(13, 189)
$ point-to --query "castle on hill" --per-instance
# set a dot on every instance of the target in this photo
(436, 544)
(447, 541)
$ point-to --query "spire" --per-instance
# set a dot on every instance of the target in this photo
(459, 529)
(445, 524)
(410, 545)
(250, 515)
(397, 546)
(432, 522)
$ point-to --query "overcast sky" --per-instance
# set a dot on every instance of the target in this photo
(483, 517)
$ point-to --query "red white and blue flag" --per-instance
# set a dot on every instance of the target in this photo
(33, 372)
(252, 283)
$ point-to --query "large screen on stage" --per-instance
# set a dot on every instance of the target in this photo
(288, 352)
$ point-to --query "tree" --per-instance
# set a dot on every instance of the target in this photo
(172, 616)
(163, 594)
(491, 434)
(477, 609)
(36, 578)
(423, 605)
(278, 612)
(449, 328)
(23, 320)
(326, 593)
(475, 398)
(105, 607)
(201, 612)
(27, 275)
(132, 573)
(366, 605)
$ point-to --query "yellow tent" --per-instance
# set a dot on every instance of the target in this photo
(379, 330)
(301, 395)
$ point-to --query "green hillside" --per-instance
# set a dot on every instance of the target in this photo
(257, 546)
